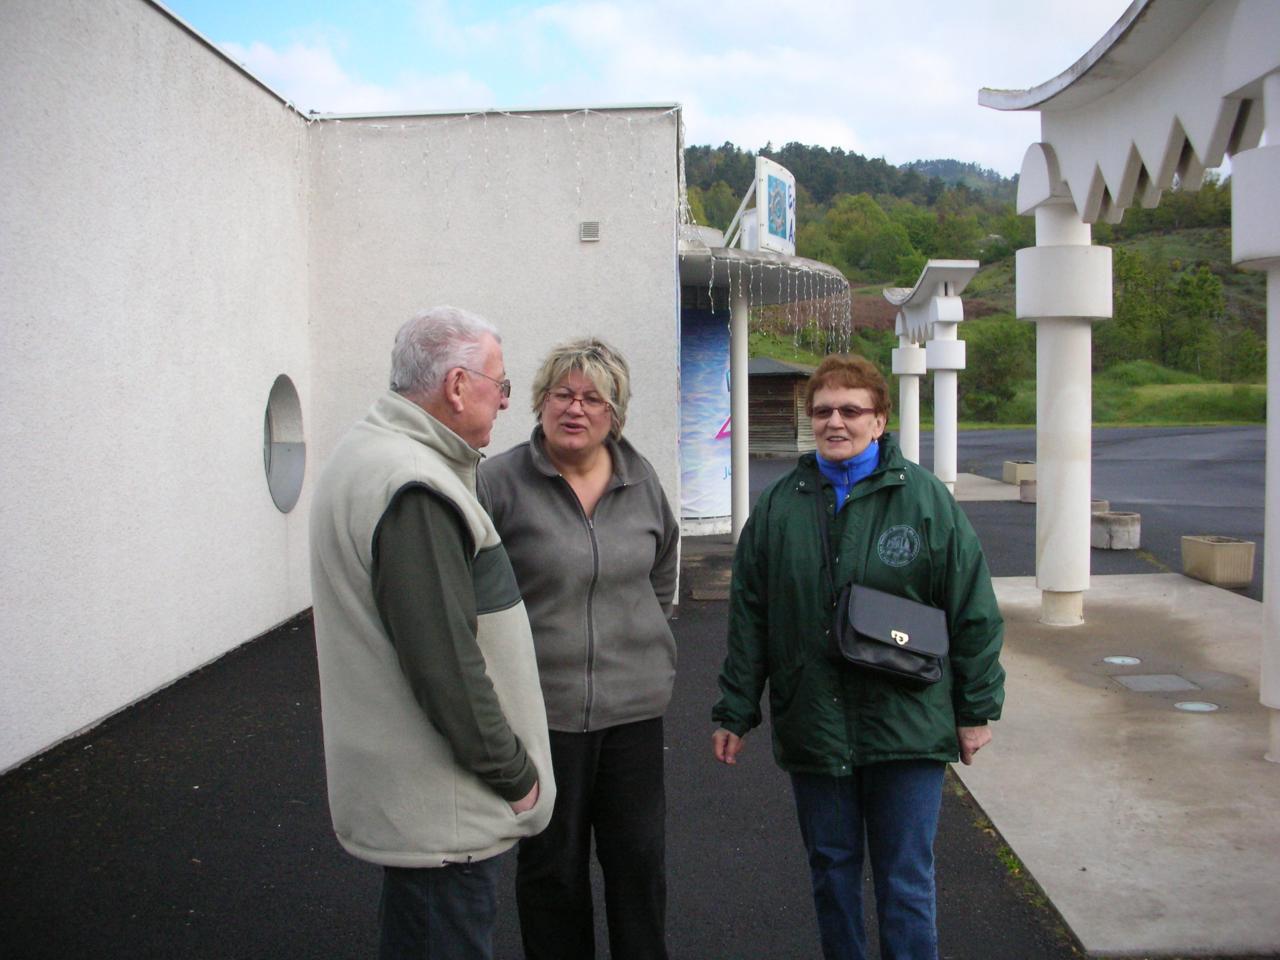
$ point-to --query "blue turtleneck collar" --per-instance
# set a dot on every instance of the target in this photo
(845, 473)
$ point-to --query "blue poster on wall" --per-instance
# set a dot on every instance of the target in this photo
(705, 462)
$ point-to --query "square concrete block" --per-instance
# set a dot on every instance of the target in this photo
(1115, 530)
(1015, 471)
(1222, 561)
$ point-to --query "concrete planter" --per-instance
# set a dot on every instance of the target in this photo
(1099, 506)
(1015, 471)
(1027, 491)
(1115, 530)
(1222, 561)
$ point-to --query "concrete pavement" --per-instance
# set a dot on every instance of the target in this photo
(1155, 832)
(972, 488)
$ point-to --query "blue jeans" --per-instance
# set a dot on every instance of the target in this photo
(439, 913)
(895, 806)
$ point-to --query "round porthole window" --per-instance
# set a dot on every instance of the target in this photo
(284, 455)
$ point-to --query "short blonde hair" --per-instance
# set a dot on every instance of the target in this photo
(600, 363)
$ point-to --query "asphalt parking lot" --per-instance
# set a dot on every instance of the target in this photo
(1182, 480)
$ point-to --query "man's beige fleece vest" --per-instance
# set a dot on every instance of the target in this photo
(395, 793)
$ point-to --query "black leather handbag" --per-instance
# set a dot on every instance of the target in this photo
(884, 632)
(890, 634)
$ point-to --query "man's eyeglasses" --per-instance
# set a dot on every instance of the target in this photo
(847, 412)
(503, 385)
(591, 402)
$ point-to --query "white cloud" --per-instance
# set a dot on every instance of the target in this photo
(898, 80)
(313, 79)
(892, 78)
(756, 129)
(438, 26)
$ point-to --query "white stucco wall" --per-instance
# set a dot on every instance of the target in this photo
(483, 212)
(153, 284)
(175, 238)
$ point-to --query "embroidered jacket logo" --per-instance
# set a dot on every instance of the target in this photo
(898, 546)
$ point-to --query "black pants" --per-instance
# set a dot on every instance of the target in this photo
(609, 781)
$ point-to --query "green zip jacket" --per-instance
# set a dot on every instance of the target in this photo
(900, 531)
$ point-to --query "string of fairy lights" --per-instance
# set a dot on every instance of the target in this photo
(814, 305)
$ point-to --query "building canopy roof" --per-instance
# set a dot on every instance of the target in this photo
(1168, 92)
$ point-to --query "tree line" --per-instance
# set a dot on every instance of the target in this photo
(874, 221)
(1176, 302)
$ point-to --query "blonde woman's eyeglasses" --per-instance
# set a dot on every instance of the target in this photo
(591, 402)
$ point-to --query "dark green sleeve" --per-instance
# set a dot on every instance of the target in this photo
(976, 627)
(422, 587)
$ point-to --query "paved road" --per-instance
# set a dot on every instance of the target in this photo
(1182, 480)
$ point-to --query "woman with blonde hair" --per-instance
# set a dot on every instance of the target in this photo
(593, 543)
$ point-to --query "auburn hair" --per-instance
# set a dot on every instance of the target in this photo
(851, 372)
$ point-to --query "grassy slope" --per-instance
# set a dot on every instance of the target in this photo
(991, 291)
(1145, 396)
(1246, 290)
(781, 348)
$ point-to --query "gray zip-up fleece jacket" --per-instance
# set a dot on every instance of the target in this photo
(598, 590)
(397, 794)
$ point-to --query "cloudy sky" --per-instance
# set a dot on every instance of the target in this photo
(897, 79)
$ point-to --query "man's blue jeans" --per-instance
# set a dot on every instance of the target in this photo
(895, 806)
(439, 912)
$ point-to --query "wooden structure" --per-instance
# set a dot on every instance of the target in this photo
(775, 404)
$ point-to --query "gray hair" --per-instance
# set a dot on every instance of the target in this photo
(434, 342)
(600, 363)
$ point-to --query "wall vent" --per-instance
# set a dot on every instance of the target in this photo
(589, 231)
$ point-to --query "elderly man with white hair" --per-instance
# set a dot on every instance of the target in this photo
(435, 734)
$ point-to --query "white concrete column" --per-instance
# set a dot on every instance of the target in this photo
(1062, 283)
(908, 367)
(740, 465)
(945, 355)
(1269, 687)
(1064, 399)
(1255, 242)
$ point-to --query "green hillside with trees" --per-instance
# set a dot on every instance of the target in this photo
(1187, 341)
